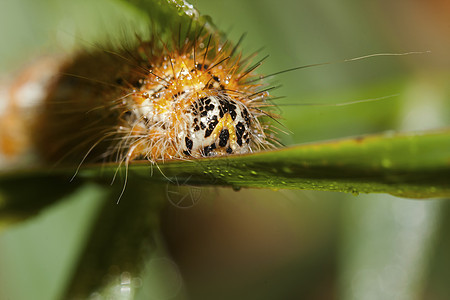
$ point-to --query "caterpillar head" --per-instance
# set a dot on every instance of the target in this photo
(196, 102)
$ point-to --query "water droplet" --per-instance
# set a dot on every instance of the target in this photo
(355, 192)
(236, 188)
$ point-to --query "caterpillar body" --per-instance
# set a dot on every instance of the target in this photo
(186, 98)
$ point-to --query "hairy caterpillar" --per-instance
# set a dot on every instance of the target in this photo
(189, 97)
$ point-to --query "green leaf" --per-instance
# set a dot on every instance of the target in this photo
(413, 165)
(24, 196)
(119, 244)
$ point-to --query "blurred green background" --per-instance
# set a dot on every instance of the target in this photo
(263, 244)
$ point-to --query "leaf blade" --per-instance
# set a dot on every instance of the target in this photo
(404, 164)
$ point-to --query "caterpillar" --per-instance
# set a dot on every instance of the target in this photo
(189, 97)
(193, 95)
